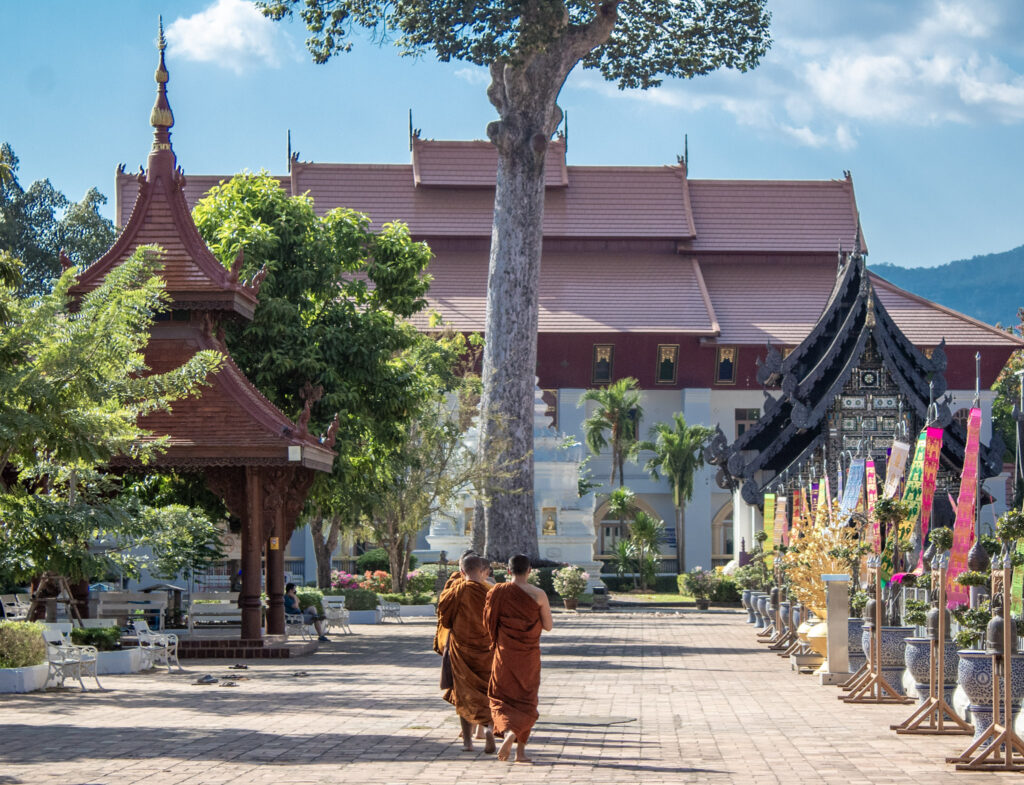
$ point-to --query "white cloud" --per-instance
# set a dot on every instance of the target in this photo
(834, 70)
(229, 33)
(475, 76)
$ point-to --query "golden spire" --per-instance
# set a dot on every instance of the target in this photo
(161, 118)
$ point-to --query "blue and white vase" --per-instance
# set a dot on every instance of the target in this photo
(894, 643)
(747, 606)
(918, 658)
(974, 674)
(854, 645)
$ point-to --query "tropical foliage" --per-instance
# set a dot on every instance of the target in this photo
(614, 423)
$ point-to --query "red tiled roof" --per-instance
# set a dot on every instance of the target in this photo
(921, 320)
(196, 187)
(474, 164)
(757, 302)
(766, 216)
(161, 216)
(582, 293)
(629, 202)
(229, 418)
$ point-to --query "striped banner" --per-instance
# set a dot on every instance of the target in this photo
(852, 492)
(872, 487)
(895, 467)
(913, 491)
(781, 528)
(932, 451)
(963, 528)
(769, 526)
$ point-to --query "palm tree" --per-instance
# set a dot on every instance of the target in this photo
(646, 532)
(678, 454)
(615, 422)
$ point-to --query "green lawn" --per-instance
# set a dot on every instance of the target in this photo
(650, 597)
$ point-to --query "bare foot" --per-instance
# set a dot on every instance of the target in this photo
(506, 746)
(523, 759)
(489, 747)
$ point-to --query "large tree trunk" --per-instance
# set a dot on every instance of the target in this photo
(525, 94)
(323, 547)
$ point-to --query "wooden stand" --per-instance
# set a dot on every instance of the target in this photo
(64, 596)
(874, 688)
(935, 716)
(999, 748)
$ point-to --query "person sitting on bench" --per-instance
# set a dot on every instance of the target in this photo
(309, 615)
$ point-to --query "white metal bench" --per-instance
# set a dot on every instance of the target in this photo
(126, 606)
(13, 609)
(390, 610)
(67, 660)
(295, 624)
(213, 607)
(158, 648)
(335, 614)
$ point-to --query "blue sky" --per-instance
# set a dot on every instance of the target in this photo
(923, 100)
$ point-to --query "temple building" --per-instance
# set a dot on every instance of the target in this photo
(681, 283)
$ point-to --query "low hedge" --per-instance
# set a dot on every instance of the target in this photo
(378, 559)
(21, 644)
(663, 584)
(103, 638)
(409, 598)
(360, 599)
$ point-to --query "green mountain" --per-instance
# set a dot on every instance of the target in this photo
(989, 287)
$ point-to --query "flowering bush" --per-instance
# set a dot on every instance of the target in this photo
(378, 581)
(21, 644)
(570, 581)
(344, 580)
(699, 584)
(419, 582)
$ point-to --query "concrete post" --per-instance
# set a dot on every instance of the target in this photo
(835, 670)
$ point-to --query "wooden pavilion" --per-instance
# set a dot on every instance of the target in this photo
(260, 462)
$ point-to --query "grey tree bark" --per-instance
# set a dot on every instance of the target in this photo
(323, 547)
(524, 93)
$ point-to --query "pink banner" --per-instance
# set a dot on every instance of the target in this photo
(963, 529)
(932, 451)
(781, 521)
(871, 483)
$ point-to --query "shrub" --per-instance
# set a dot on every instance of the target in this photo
(419, 582)
(570, 581)
(972, 578)
(409, 598)
(360, 599)
(377, 559)
(941, 538)
(378, 581)
(344, 580)
(727, 590)
(541, 578)
(103, 638)
(21, 644)
(698, 583)
(309, 597)
(915, 612)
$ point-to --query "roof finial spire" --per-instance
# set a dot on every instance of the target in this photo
(161, 117)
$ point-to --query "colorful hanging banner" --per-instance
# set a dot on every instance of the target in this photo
(895, 467)
(963, 528)
(913, 490)
(1017, 585)
(827, 493)
(852, 493)
(871, 483)
(769, 526)
(932, 451)
(839, 482)
(781, 527)
(814, 500)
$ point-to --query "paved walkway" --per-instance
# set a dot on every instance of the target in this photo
(627, 697)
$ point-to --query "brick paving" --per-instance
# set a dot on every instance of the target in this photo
(665, 697)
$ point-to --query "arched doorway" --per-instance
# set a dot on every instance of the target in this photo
(609, 530)
(722, 546)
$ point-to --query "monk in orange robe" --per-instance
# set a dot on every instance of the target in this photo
(441, 635)
(461, 611)
(514, 614)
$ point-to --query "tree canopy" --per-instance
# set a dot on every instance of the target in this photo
(37, 222)
(74, 387)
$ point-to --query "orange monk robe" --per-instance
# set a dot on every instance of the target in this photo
(512, 618)
(441, 635)
(461, 610)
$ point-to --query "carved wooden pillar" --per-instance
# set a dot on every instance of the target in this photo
(276, 544)
(252, 552)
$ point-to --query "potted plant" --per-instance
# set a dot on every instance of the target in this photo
(570, 583)
(23, 665)
(699, 584)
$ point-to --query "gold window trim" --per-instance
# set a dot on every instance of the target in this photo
(603, 351)
(663, 349)
(721, 355)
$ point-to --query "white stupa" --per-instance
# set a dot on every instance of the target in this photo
(564, 520)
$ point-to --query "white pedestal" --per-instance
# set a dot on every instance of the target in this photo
(835, 670)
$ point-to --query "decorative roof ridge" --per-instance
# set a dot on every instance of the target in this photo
(861, 246)
(811, 377)
(830, 183)
(810, 417)
(716, 328)
(886, 284)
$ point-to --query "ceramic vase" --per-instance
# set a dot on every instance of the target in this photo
(894, 643)
(745, 600)
(854, 646)
(918, 659)
(784, 612)
(974, 674)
